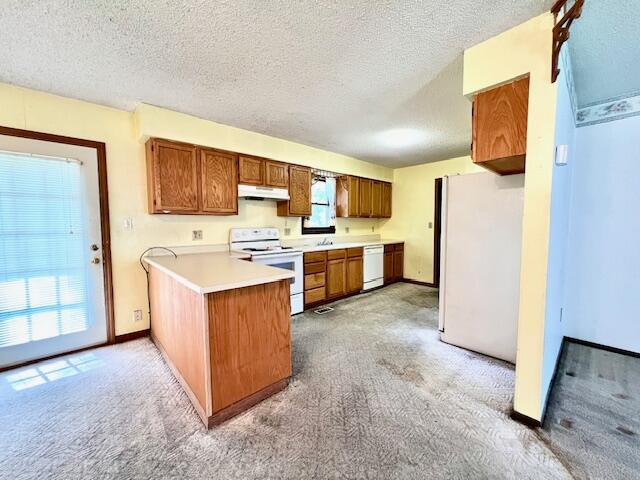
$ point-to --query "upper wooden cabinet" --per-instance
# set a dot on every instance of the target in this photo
(251, 170)
(186, 179)
(219, 173)
(386, 200)
(365, 197)
(299, 203)
(276, 174)
(500, 128)
(376, 199)
(172, 177)
(347, 196)
(362, 197)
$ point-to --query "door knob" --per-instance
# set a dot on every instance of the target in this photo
(95, 260)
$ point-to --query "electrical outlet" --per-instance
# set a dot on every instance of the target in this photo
(346, 229)
(287, 231)
(196, 235)
(137, 316)
(127, 224)
(373, 228)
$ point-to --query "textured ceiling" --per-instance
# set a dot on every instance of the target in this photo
(331, 74)
(605, 50)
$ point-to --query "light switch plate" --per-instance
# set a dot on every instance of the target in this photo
(196, 235)
(561, 155)
(346, 229)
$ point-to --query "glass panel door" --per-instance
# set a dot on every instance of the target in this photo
(51, 285)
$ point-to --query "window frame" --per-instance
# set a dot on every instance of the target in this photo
(318, 230)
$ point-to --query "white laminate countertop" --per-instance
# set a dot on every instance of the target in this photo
(217, 271)
(336, 246)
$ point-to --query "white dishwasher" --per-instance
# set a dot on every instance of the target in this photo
(373, 269)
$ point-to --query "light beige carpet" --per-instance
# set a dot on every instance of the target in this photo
(375, 395)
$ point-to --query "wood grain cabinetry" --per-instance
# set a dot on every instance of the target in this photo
(299, 203)
(376, 199)
(315, 266)
(187, 179)
(362, 197)
(251, 170)
(500, 128)
(172, 177)
(365, 197)
(218, 172)
(276, 174)
(386, 200)
(354, 270)
(393, 262)
(336, 273)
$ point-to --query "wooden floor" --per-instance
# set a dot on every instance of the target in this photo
(593, 418)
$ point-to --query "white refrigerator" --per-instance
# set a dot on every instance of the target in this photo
(480, 262)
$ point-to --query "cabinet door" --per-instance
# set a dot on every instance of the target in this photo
(376, 199)
(354, 274)
(354, 196)
(276, 174)
(251, 170)
(386, 200)
(388, 267)
(299, 203)
(500, 127)
(172, 176)
(398, 264)
(365, 197)
(336, 278)
(219, 171)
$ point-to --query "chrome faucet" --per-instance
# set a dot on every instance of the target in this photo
(325, 242)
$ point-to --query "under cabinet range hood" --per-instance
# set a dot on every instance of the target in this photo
(262, 193)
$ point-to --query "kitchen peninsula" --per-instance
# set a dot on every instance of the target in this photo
(223, 326)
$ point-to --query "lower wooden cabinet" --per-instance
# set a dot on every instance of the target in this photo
(336, 273)
(354, 274)
(393, 262)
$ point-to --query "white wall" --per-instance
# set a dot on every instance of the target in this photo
(603, 262)
(558, 233)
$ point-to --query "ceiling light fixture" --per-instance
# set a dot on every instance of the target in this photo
(401, 137)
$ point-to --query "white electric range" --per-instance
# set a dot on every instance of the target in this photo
(263, 244)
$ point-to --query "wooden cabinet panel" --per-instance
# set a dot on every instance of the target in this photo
(398, 265)
(365, 197)
(311, 257)
(276, 174)
(355, 252)
(314, 280)
(376, 199)
(398, 247)
(336, 254)
(299, 204)
(314, 267)
(354, 274)
(347, 196)
(172, 177)
(314, 296)
(219, 174)
(386, 200)
(388, 267)
(250, 340)
(500, 128)
(336, 282)
(251, 170)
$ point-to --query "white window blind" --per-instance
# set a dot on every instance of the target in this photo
(43, 293)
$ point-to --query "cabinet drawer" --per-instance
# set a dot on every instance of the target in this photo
(314, 280)
(310, 257)
(399, 247)
(354, 252)
(317, 267)
(336, 254)
(314, 296)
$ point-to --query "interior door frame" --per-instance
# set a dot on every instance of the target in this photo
(437, 231)
(101, 153)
